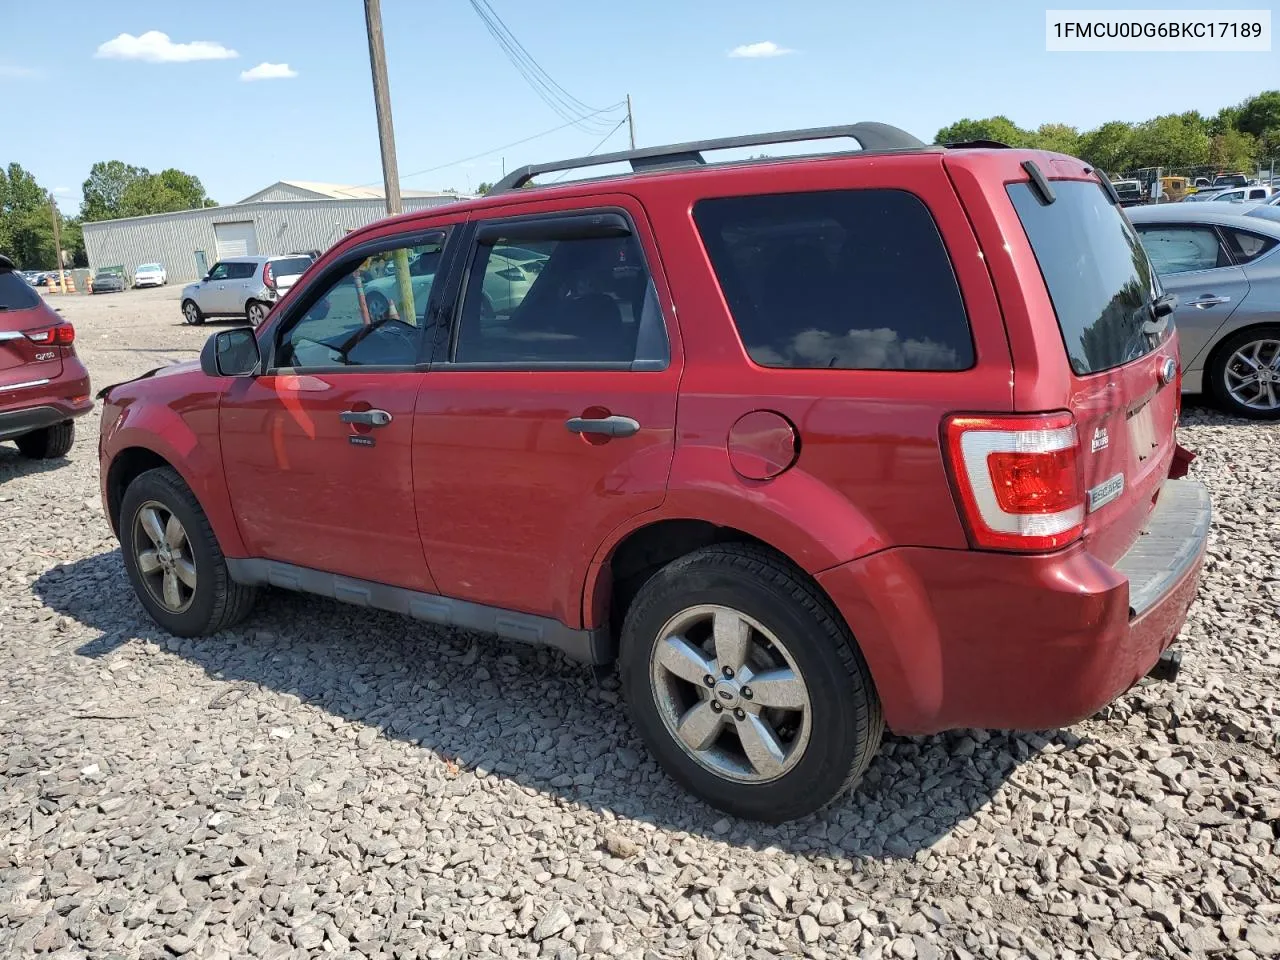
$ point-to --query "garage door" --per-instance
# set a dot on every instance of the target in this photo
(236, 239)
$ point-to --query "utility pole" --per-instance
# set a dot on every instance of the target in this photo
(382, 101)
(57, 243)
(631, 123)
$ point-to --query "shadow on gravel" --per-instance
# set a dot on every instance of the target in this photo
(532, 717)
(13, 464)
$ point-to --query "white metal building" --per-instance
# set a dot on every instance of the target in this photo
(287, 217)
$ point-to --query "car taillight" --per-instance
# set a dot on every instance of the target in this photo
(61, 335)
(267, 277)
(1018, 479)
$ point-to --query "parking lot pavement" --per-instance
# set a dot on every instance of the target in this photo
(325, 778)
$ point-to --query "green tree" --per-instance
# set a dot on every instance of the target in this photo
(1171, 141)
(998, 128)
(24, 206)
(1228, 118)
(1260, 114)
(1108, 147)
(484, 188)
(1058, 137)
(163, 192)
(1233, 150)
(104, 191)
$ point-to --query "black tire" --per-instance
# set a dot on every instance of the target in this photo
(843, 701)
(192, 313)
(217, 601)
(248, 312)
(1217, 370)
(48, 443)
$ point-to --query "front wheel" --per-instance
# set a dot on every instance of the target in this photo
(255, 312)
(191, 313)
(173, 559)
(1245, 373)
(747, 686)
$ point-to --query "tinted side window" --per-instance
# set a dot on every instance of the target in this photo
(556, 301)
(15, 292)
(370, 316)
(241, 271)
(847, 279)
(292, 267)
(1248, 246)
(1181, 249)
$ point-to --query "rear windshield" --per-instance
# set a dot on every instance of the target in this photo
(291, 267)
(1097, 274)
(16, 293)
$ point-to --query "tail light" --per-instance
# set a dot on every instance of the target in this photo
(59, 335)
(268, 277)
(1018, 479)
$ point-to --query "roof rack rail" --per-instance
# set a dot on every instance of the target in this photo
(869, 136)
(977, 145)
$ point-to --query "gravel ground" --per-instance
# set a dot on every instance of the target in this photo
(333, 780)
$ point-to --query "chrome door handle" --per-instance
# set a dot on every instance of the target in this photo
(608, 426)
(1209, 301)
(368, 418)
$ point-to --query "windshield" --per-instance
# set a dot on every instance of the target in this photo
(1096, 271)
(16, 293)
(149, 268)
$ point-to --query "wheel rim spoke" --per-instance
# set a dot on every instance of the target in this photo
(765, 754)
(700, 726)
(781, 689)
(152, 526)
(186, 571)
(686, 661)
(174, 535)
(732, 638)
(148, 561)
(172, 592)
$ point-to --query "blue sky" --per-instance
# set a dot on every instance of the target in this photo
(919, 66)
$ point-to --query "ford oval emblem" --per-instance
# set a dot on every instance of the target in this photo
(1168, 370)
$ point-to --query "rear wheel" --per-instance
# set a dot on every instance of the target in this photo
(173, 559)
(747, 686)
(1245, 373)
(191, 313)
(49, 443)
(255, 312)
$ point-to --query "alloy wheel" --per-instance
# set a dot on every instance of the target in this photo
(191, 313)
(164, 557)
(730, 694)
(257, 313)
(1253, 375)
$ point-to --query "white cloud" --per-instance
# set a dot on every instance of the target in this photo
(766, 48)
(156, 47)
(18, 73)
(269, 71)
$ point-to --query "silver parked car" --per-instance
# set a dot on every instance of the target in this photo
(242, 287)
(1222, 260)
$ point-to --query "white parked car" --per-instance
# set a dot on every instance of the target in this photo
(242, 287)
(150, 275)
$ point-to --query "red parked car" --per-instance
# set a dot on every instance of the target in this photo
(43, 384)
(808, 446)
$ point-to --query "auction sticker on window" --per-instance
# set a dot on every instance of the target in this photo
(1158, 31)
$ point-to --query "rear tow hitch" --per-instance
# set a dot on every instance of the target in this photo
(1166, 668)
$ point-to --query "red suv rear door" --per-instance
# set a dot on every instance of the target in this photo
(548, 416)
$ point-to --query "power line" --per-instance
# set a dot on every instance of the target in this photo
(596, 147)
(486, 153)
(555, 96)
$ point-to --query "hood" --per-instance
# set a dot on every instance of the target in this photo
(168, 370)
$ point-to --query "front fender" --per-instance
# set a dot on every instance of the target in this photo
(797, 514)
(188, 441)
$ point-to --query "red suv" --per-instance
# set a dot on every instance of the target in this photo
(43, 384)
(808, 446)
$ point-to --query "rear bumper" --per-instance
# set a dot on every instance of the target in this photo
(64, 397)
(975, 639)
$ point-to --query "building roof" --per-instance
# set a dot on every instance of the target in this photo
(340, 191)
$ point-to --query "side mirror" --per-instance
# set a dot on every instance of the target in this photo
(230, 353)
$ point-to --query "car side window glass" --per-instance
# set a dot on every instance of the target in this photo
(556, 301)
(219, 271)
(1248, 246)
(372, 315)
(843, 279)
(1182, 249)
(241, 271)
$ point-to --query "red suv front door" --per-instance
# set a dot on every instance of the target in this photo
(317, 450)
(549, 420)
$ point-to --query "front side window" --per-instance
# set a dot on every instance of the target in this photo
(371, 315)
(219, 271)
(841, 279)
(1182, 249)
(565, 300)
